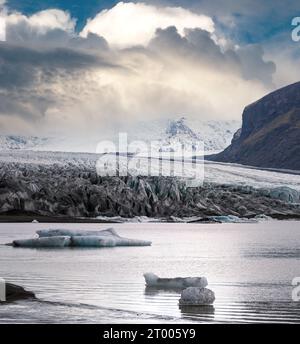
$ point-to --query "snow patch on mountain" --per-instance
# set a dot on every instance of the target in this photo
(210, 136)
(12, 142)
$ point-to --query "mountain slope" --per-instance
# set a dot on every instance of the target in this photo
(11, 142)
(216, 135)
(270, 134)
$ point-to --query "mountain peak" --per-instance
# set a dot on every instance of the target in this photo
(179, 127)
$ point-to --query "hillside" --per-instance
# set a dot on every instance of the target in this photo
(270, 134)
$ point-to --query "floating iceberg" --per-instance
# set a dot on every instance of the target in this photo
(197, 297)
(153, 280)
(92, 241)
(70, 238)
(58, 241)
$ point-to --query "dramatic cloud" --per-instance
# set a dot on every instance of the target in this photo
(2, 28)
(247, 21)
(129, 24)
(56, 82)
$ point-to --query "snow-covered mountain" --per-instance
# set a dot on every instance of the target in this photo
(168, 134)
(217, 135)
(212, 136)
(177, 135)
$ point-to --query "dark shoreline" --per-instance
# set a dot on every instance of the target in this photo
(57, 219)
(48, 219)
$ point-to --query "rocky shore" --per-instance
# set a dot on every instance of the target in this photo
(72, 191)
(15, 293)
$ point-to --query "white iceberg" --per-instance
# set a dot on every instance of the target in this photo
(92, 241)
(98, 241)
(58, 241)
(153, 280)
(77, 238)
(197, 297)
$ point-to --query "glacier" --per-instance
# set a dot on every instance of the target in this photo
(67, 185)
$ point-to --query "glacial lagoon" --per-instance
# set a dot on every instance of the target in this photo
(249, 266)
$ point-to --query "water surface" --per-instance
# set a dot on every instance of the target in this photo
(250, 268)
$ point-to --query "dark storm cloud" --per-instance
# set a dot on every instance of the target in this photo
(25, 70)
(199, 46)
(245, 21)
(19, 65)
(51, 77)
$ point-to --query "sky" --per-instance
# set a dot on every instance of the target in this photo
(82, 69)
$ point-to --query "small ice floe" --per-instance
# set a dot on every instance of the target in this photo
(232, 219)
(153, 280)
(77, 238)
(195, 296)
(263, 217)
(119, 219)
(35, 221)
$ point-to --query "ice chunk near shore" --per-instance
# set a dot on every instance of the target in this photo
(263, 217)
(59, 241)
(153, 280)
(44, 233)
(195, 296)
(232, 219)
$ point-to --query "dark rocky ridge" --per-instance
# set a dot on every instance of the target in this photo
(77, 191)
(270, 134)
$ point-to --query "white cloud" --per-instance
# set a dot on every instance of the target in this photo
(45, 20)
(2, 21)
(129, 24)
(2, 27)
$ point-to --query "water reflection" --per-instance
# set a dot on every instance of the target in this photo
(265, 252)
(201, 311)
(152, 291)
(249, 267)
